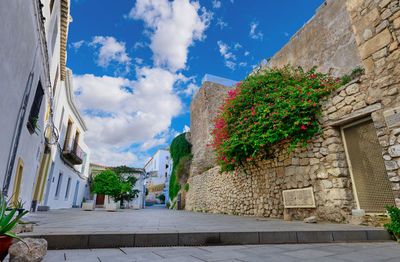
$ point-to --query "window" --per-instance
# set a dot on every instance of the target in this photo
(35, 109)
(67, 190)
(58, 185)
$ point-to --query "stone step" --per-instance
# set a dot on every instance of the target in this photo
(115, 240)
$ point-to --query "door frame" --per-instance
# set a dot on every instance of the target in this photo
(353, 184)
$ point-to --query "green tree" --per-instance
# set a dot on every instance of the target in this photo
(106, 183)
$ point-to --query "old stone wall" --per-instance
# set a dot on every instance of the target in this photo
(325, 41)
(257, 189)
(203, 110)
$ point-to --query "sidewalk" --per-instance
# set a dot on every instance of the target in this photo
(374, 252)
(162, 227)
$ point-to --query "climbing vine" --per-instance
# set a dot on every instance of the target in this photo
(275, 105)
(179, 148)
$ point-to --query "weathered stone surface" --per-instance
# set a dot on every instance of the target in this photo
(312, 219)
(333, 48)
(374, 44)
(31, 250)
(394, 151)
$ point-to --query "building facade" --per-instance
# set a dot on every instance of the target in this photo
(34, 87)
(354, 169)
(30, 61)
(159, 169)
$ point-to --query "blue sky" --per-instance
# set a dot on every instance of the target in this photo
(137, 64)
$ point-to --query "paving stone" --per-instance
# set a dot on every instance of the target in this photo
(308, 253)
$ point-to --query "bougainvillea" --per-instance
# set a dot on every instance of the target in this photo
(268, 108)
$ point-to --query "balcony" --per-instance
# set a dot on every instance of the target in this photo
(72, 152)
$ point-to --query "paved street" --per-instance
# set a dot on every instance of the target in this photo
(164, 221)
(358, 252)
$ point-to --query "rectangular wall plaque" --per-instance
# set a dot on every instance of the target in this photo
(392, 117)
(299, 198)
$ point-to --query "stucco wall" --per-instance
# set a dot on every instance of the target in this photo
(326, 41)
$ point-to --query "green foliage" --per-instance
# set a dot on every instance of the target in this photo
(345, 79)
(8, 221)
(168, 204)
(173, 205)
(187, 187)
(394, 226)
(183, 167)
(278, 105)
(161, 197)
(179, 148)
(356, 71)
(106, 183)
(127, 181)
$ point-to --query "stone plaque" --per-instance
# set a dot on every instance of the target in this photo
(392, 117)
(299, 198)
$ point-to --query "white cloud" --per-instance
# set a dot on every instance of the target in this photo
(246, 53)
(186, 129)
(138, 45)
(121, 113)
(286, 34)
(237, 46)
(253, 34)
(222, 24)
(138, 60)
(174, 28)
(77, 45)
(216, 4)
(191, 89)
(228, 56)
(110, 50)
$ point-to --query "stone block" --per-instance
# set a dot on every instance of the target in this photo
(351, 235)
(376, 43)
(314, 237)
(312, 219)
(278, 237)
(149, 240)
(378, 235)
(396, 23)
(74, 241)
(239, 238)
(358, 212)
(394, 151)
(198, 239)
(111, 240)
(31, 250)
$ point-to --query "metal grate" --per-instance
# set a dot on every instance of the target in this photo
(371, 182)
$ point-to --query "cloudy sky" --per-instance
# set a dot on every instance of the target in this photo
(138, 64)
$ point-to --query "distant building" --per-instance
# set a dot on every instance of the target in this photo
(159, 168)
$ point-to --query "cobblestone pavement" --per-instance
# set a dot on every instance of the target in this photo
(164, 221)
(378, 251)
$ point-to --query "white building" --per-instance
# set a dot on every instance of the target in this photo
(159, 168)
(32, 64)
(67, 180)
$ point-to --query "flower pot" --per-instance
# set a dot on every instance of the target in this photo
(5, 243)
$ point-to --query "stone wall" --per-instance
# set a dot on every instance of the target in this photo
(203, 109)
(257, 189)
(325, 41)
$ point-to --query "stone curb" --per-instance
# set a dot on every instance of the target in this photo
(115, 240)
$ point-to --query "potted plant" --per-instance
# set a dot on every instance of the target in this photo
(168, 205)
(7, 223)
(20, 206)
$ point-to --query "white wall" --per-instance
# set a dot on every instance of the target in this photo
(20, 55)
